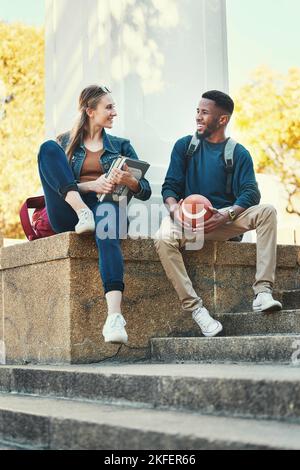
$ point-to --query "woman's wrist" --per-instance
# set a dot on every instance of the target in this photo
(86, 187)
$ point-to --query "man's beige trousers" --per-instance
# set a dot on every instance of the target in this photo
(169, 240)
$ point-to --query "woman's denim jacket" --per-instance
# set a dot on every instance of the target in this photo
(113, 147)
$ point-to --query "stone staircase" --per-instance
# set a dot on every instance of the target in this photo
(170, 388)
(151, 406)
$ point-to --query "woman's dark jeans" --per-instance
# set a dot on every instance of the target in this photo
(57, 179)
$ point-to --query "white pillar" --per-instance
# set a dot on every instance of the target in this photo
(158, 57)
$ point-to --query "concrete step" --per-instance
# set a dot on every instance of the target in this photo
(13, 446)
(250, 323)
(65, 424)
(290, 299)
(244, 390)
(264, 349)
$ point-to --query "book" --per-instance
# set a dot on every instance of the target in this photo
(138, 168)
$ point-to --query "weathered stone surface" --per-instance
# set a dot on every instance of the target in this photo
(63, 322)
(236, 254)
(150, 304)
(23, 428)
(70, 245)
(1, 307)
(37, 312)
(233, 288)
(244, 324)
(6, 446)
(288, 255)
(55, 308)
(235, 271)
(202, 277)
(276, 348)
(244, 254)
(288, 278)
(38, 251)
(63, 424)
(1, 295)
(261, 391)
(205, 256)
(290, 299)
(139, 250)
(86, 311)
(6, 379)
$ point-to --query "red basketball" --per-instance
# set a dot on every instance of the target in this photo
(194, 209)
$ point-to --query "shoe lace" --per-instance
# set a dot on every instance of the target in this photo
(266, 295)
(85, 215)
(203, 318)
(117, 322)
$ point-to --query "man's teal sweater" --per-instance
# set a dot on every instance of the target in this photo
(205, 174)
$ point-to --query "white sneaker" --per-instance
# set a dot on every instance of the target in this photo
(113, 330)
(264, 302)
(208, 325)
(86, 223)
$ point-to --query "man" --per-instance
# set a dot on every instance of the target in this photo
(232, 214)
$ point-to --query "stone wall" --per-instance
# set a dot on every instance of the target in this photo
(54, 306)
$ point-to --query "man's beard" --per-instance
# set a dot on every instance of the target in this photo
(209, 130)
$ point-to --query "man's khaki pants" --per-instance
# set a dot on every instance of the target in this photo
(169, 240)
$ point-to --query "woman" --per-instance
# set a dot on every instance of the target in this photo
(72, 171)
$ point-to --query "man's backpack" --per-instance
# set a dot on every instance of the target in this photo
(228, 158)
(39, 226)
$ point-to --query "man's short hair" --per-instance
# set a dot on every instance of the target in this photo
(222, 100)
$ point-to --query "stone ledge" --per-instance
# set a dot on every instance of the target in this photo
(70, 245)
(61, 246)
(245, 254)
(53, 307)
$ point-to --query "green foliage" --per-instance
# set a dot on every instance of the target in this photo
(268, 122)
(21, 121)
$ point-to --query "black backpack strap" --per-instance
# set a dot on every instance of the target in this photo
(192, 148)
(228, 158)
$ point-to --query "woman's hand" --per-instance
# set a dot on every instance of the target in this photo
(124, 177)
(102, 185)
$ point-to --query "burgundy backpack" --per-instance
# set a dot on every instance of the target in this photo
(40, 226)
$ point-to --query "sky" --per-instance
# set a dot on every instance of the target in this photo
(31, 12)
(260, 32)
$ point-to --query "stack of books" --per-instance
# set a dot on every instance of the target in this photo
(138, 168)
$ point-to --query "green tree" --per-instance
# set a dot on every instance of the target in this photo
(267, 120)
(21, 119)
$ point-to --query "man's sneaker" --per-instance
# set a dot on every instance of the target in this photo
(113, 330)
(86, 223)
(264, 302)
(208, 325)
